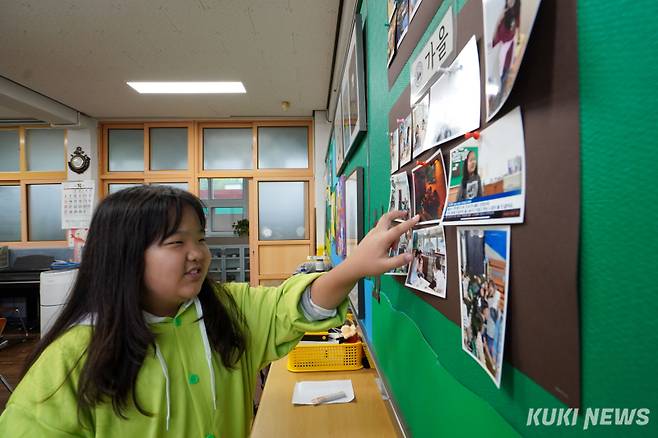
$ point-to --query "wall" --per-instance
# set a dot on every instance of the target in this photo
(439, 389)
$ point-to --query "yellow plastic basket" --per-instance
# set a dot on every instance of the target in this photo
(330, 357)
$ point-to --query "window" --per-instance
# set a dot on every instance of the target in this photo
(227, 200)
(126, 150)
(32, 168)
(282, 210)
(227, 148)
(283, 147)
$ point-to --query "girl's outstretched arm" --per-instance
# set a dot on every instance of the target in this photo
(370, 258)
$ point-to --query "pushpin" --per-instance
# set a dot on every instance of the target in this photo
(400, 120)
(474, 134)
(422, 163)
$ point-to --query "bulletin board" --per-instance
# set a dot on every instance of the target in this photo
(543, 326)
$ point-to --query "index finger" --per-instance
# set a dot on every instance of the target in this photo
(386, 219)
(401, 228)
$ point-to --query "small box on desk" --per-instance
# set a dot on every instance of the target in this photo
(326, 357)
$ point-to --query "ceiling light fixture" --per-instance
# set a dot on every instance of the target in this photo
(187, 87)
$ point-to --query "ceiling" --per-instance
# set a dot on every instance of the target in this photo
(81, 53)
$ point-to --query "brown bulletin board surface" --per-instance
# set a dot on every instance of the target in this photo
(417, 27)
(543, 326)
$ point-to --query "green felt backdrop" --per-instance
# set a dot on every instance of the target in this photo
(440, 390)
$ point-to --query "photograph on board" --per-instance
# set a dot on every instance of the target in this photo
(345, 102)
(403, 246)
(392, 30)
(487, 176)
(400, 195)
(405, 139)
(393, 139)
(455, 99)
(413, 7)
(402, 20)
(507, 27)
(429, 185)
(427, 270)
(483, 256)
(391, 9)
(419, 124)
(341, 230)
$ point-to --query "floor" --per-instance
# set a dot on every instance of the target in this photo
(12, 358)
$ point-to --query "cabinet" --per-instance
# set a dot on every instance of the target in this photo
(229, 263)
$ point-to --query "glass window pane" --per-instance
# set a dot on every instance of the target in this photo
(126, 150)
(113, 188)
(180, 185)
(9, 145)
(203, 188)
(283, 147)
(168, 148)
(282, 210)
(227, 148)
(44, 207)
(45, 149)
(10, 213)
(228, 188)
(223, 218)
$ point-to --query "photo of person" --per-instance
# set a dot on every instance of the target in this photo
(487, 176)
(400, 196)
(403, 246)
(483, 255)
(402, 20)
(429, 181)
(413, 7)
(427, 271)
(507, 27)
(405, 141)
(393, 139)
(419, 124)
(454, 107)
(392, 30)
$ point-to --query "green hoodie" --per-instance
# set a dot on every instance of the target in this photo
(174, 383)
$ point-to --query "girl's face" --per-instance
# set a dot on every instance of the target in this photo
(471, 163)
(176, 268)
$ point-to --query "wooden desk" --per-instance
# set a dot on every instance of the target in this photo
(366, 416)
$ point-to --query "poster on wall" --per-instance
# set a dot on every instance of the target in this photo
(345, 104)
(507, 27)
(402, 247)
(413, 7)
(484, 257)
(393, 140)
(487, 176)
(338, 132)
(455, 99)
(419, 124)
(402, 20)
(427, 271)
(400, 198)
(391, 42)
(429, 182)
(427, 66)
(355, 81)
(391, 9)
(341, 236)
(405, 140)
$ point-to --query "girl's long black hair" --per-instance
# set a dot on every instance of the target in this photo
(467, 175)
(110, 287)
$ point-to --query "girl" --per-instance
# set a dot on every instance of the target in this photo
(471, 186)
(147, 345)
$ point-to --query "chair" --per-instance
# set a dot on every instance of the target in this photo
(3, 343)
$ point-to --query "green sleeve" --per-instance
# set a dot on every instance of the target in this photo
(44, 402)
(274, 318)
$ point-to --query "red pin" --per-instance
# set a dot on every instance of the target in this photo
(474, 134)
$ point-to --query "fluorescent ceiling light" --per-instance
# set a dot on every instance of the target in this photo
(187, 87)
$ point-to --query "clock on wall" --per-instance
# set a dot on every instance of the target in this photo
(79, 161)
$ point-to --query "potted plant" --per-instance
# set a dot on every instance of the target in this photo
(241, 227)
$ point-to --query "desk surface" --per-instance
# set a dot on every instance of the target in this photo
(366, 416)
